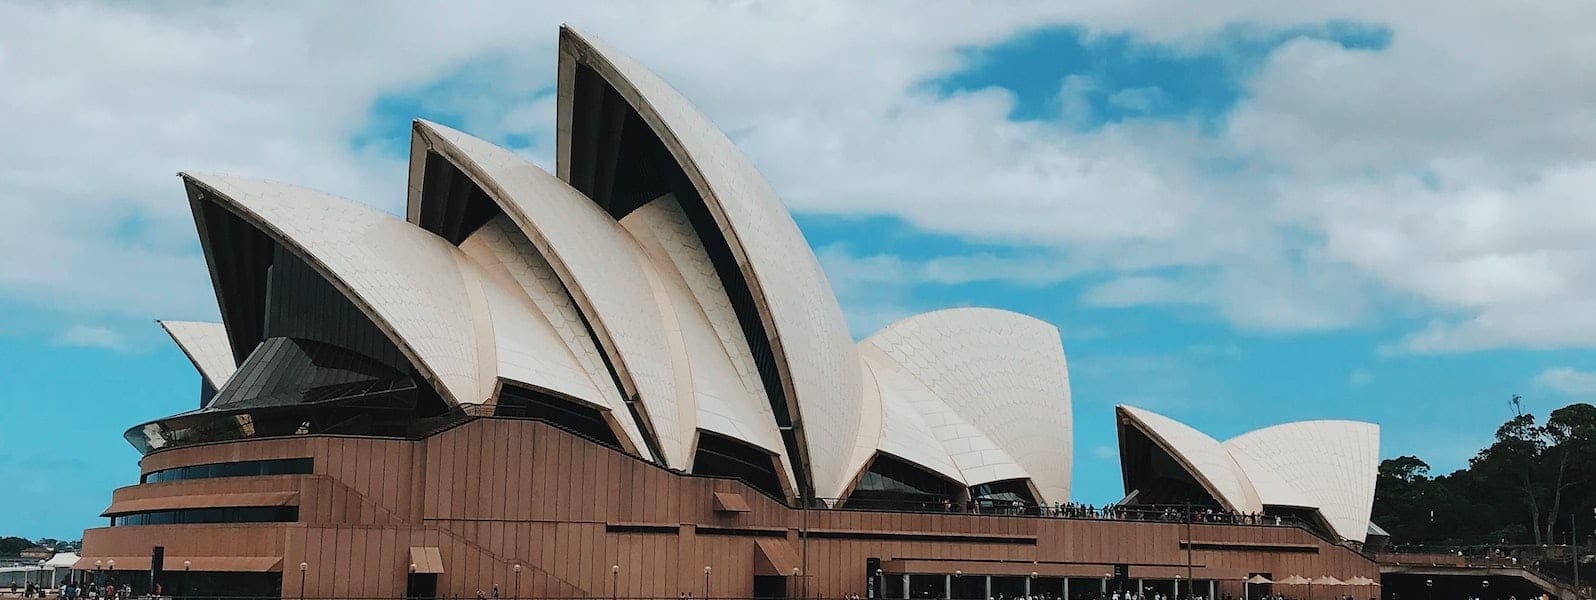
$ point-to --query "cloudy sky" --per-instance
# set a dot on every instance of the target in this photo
(1236, 215)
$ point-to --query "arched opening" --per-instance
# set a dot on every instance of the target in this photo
(723, 456)
(576, 417)
(890, 483)
(1154, 477)
(1010, 496)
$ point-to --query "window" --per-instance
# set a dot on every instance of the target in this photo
(722, 456)
(247, 468)
(240, 514)
(893, 484)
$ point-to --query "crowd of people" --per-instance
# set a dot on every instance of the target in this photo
(1077, 510)
(72, 590)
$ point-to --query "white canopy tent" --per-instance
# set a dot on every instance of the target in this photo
(62, 560)
(49, 573)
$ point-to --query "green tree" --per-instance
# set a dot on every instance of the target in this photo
(1521, 488)
(11, 546)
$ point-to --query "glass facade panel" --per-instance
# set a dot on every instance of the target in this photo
(928, 586)
(725, 457)
(1082, 588)
(189, 516)
(581, 419)
(1008, 497)
(1008, 587)
(291, 386)
(203, 584)
(892, 484)
(969, 587)
(247, 468)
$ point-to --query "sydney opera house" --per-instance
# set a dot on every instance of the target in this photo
(630, 378)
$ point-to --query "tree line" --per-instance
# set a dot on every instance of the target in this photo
(1522, 489)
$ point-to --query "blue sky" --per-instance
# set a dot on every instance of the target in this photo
(1234, 220)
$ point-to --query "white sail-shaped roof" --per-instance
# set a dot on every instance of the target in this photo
(712, 360)
(804, 325)
(553, 336)
(205, 345)
(429, 297)
(663, 284)
(599, 264)
(905, 431)
(1328, 465)
(1202, 456)
(1003, 388)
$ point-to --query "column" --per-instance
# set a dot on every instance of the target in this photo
(1212, 593)
(947, 587)
(1103, 587)
(988, 595)
(1066, 595)
(905, 586)
(1027, 586)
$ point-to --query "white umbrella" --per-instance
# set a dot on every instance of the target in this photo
(1246, 586)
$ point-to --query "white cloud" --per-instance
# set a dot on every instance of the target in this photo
(1568, 380)
(1105, 453)
(91, 336)
(1446, 177)
(1137, 100)
(1360, 378)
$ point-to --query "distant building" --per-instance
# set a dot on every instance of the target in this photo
(36, 553)
(627, 378)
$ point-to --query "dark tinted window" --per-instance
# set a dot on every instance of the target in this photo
(242, 514)
(893, 484)
(515, 401)
(248, 468)
(725, 457)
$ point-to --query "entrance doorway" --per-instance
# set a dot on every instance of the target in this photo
(770, 586)
(422, 586)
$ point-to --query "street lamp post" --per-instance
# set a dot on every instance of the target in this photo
(706, 583)
(188, 584)
(110, 571)
(516, 593)
(615, 581)
(410, 585)
(99, 579)
(303, 566)
(881, 584)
